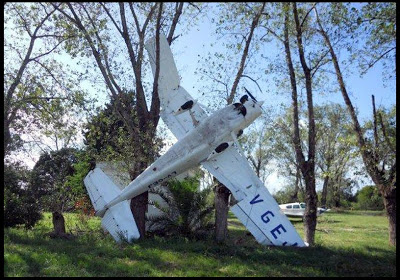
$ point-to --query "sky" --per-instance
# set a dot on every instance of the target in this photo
(190, 49)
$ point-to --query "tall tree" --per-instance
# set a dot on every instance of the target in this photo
(108, 29)
(307, 165)
(380, 166)
(335, 149)
(36, 87)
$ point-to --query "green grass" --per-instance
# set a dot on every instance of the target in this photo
(347, 244)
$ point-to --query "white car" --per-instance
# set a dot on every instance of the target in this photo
(297, 209)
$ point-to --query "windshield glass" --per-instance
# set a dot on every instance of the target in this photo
(302, 205)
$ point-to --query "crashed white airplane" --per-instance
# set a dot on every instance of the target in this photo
(207, 140)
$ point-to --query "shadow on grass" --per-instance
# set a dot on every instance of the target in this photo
(99, 255)
(90, 256)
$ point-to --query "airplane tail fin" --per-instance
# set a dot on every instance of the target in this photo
(118, 219)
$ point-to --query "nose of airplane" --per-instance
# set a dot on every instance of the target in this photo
(260, 103)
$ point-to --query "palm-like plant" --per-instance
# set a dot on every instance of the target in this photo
(188, 211)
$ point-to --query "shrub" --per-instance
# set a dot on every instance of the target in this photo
(369, 198)
(20, 206)
(189, 211)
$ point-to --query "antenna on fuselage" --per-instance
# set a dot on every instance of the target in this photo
(254, 99)
(248, 92)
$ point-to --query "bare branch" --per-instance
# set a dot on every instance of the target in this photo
(371, 64)
(305, 17)
(96, 54)
(121, 5)
(155, 100)
(50, 73)
(316, 66)
(178, 12)
(103, 49)
(146, 22)
(245, 76)
(50, 51)
(375, 123)
(191, 4)
(26, 60)
(126, 35)
(385, 134)
(25, 23)
(112, 19)
(254, 23)
(273, 33)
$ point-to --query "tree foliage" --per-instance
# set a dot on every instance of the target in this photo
(83, 164)
(107, 137)
(336, 152)
(257, 143)
(369, 198)
(40, 94)
(49, 177)
(378, 23)
(20, 205)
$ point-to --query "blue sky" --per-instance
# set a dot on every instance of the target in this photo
(188, 48)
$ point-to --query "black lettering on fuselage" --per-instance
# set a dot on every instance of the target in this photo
(159, 181)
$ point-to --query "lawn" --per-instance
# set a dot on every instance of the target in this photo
(348, 243)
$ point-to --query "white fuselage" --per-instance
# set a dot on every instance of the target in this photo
(192, 149)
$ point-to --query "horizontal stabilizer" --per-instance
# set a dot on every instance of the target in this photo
(119, 222)
(100, 188)
(118, 219)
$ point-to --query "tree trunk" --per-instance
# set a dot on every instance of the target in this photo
(7, 138)
(324, 191)
(58, 224)
(221, 212)
(139, 208)
(337, 190)
(139, 203)
(389, 200)
(307, 166)
(310, 214)
(295, 195)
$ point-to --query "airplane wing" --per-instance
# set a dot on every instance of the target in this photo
(256, 209)
(172, 95)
